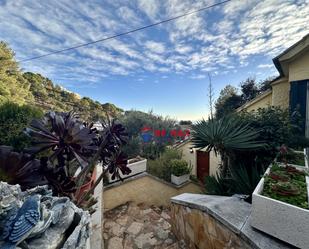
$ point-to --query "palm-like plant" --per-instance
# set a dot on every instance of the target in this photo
(225, 136)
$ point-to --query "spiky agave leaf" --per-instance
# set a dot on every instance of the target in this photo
(228, 133)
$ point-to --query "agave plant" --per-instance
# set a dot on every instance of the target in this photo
(225, 136)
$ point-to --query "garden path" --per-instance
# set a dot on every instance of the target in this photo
(132, 226)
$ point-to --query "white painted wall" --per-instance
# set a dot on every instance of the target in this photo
(136, 168)
(214, 161)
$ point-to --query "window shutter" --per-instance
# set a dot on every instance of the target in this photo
(298, 100)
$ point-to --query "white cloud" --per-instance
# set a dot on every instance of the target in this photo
(217, 40)
(150, 7)
(265, 66)
(198, 76)
(156, 47)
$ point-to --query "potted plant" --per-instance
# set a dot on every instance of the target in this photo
(280, 204)
(180, 171)
(65, 154)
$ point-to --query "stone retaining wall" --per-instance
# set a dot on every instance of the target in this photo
(218, 222)
(200, 230)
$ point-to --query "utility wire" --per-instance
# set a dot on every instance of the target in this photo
(127, 32)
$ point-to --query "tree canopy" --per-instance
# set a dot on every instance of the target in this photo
(231, 98)
(13, 86)
(36, 90)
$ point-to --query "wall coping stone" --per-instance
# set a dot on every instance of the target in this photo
(235, 214)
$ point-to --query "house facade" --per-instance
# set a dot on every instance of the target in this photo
(291, 88)
(203, 163)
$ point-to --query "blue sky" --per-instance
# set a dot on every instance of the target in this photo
(163, 68)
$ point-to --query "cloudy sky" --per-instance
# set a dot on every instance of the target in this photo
(163, 68)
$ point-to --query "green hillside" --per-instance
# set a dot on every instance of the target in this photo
(36, 90)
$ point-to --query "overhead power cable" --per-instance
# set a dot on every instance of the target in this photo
(125, 33)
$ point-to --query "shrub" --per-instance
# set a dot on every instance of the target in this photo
(14, 119)
(217, 185)
(133, 147)
(152, 150)
(179, 167)
(161, 167)
(242, 180)
(272, 126)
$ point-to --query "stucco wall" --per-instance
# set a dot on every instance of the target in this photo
(281, 94)
(144, 189)
(189, 157)
(214, 161)
(299, 68)
(262, 103)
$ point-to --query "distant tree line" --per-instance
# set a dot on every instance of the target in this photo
(36, 90)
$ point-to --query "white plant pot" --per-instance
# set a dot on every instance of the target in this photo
(178, 180)
(279, 219)
(136, 168)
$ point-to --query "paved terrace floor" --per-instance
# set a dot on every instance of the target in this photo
(132, 226)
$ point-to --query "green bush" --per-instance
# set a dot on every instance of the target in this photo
(242, 180)
(217, 185)
(14, 119)
(133, 148)
(152, 150)
(179, 167)
(161, 167)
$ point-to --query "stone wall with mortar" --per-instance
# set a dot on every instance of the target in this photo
(200, 230)
(144, 188)
(217, 222)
